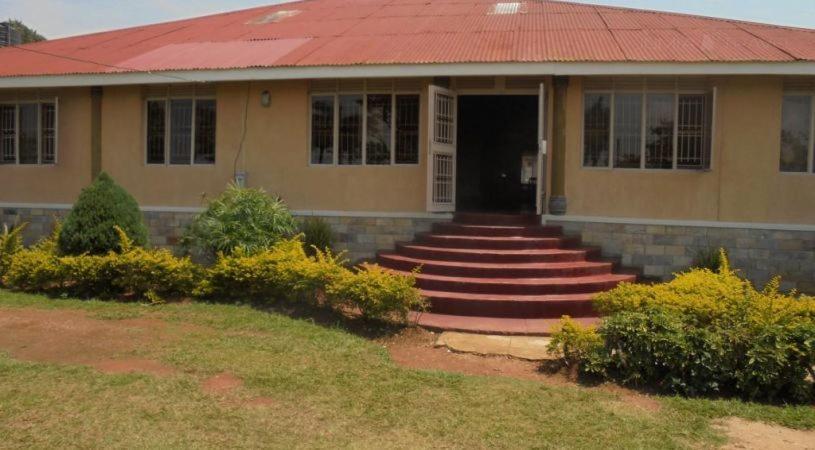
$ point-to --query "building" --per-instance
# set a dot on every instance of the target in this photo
(653, 135)
(9, 35)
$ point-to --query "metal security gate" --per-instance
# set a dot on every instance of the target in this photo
(441, 167)
(540, 191)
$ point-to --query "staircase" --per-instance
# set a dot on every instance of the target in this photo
(503, 274)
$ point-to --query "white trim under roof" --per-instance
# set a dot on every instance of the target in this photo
(411, 70)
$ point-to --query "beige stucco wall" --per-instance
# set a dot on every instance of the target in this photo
(59, 183)
(743, 185)
(275, 156)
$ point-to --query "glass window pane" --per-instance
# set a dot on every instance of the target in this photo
(378, 146)
(693, 128)
(597, 129)
(28, 133)
(180, 131)
(796, 121)
(407, 129)
(156, 124)
(205, 131)
(48, 131)
(350, 139)
(627, 130)
(322, 130)
(659, 131)
(8, 134)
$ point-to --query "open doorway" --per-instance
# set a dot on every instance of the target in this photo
(497, 153)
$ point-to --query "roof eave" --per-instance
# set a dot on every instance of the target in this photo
(798, 68)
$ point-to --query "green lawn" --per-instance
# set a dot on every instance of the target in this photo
(327, 388)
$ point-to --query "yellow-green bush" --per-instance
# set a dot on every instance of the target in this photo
(267, 274)
(11, 242)
(141, 271)
(376, 292)
(88, 275)
(574, 343)
(285, 271)
(708, 297)
(132, 272)
(34, 270)
(704, 333)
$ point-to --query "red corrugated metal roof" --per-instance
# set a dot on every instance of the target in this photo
(359, 32)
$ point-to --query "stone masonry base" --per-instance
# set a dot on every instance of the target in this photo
(359, 237)
(661, 250)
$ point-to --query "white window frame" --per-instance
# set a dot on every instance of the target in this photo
(336, 144)
(811, 147)
(643, 138)
(39, 103)
(167, 132)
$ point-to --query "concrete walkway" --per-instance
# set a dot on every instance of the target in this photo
(522, 347)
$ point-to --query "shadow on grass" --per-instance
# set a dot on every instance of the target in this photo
(323, 315)
(573, 374)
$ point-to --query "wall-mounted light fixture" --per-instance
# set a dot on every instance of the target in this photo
(266, 99)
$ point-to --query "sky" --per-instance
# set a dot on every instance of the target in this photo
(61, 18)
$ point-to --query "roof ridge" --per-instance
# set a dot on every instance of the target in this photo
(596, 7)
(680, 14)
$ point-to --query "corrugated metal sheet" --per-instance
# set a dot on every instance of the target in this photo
(352, 32)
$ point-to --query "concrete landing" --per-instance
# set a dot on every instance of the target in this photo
(523, 347)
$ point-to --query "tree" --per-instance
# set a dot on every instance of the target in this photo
(90, 226)
(28, 35)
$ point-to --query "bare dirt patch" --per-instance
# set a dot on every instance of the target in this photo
(71, 337)
(746, 434)
(221, 384)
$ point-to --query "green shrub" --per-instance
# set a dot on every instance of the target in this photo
(376, 292)
(708, 258)
(241, 218)
(657, 347)
(705, 333)
(11, 242)
(317, 235)
(89, 228)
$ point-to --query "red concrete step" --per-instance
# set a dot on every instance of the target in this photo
(495, 256)
(520, 306)
(493, 270)
(492, 325)
(496, 219)
(459, 229)
(521, 286)
(495, 243)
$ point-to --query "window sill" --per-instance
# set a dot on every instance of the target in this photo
(179, 165)
(361, 166)
(40, 166)
(660, 171)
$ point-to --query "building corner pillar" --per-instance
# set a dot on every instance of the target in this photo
(557, 201)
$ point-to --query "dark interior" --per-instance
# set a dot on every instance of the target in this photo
(495, 134)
